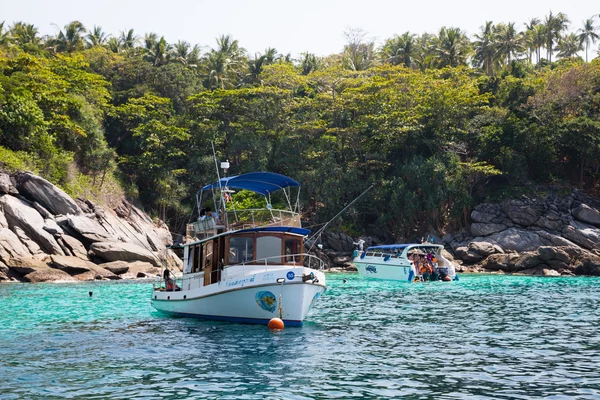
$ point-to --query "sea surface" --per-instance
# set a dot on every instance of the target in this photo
(486, 336)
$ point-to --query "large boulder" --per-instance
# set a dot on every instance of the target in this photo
(80, 269)
(25, 265)
(88, 227)
(548, 253)
(75, 247)
(19, 213)
(467, 255)
(133, 270)
(3, 221)
(115, 251)
(483, 229)
(11, 246)
(49, 196)
(586, 214)
(6, 186)
(582, 234)
(30, 244)
(514, 239)
(48, 274)
(522, 212)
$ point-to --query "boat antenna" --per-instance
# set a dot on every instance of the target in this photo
(222, 201)
(320, 231)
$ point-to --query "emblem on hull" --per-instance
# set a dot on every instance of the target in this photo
(371, 269)
(266, 300)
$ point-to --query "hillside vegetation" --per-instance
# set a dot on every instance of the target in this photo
(438, 122)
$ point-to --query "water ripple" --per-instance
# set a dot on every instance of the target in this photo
(482, 337)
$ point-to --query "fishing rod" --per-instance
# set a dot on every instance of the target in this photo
(320, 231)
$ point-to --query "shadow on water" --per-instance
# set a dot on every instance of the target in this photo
(484, 336)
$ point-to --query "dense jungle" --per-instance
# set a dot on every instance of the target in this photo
(436, 122)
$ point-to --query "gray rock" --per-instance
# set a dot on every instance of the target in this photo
(114, 251)
(52, 227)
(19, 213)
(523, 213)
(5, 183)
(75, 246)
(548, 253)
(71, 265)
(32, 246)
(551, 221)
(49, 196)
(119, 267)
(136, 268)
(482, 248)
(481, 229)
(89, 228)
(582, 234)
(3, 221)
(468, 255)
(514, 239)
(587, 214)
(11, 246)
(25, 265)
(43, 212)
(448, 238)
(504, 262)
(482, 217)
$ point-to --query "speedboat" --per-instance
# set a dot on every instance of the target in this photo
(247, 265)
(405, 262)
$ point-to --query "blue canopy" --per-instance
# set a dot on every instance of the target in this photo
(258, 182)
(400, 246)
(284, 229)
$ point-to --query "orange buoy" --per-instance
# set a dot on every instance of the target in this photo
(276, 324)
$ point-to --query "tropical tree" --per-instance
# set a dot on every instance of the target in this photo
(358, 53)
(308, 63)
(4, 35)
(156, 51)
(256, 65)
(223, 64)
(128, 40)
(114, 45)
(400, 50)
(25, 35)
(555, 25)
(451, 47)
(184, 53)
(70, 39)
(486, 53)
(569, 45)
(588, 34)
(96, 37)
(424, 52)
(529, 37)
(509, 41)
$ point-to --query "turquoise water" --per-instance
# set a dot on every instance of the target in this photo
(484, 336)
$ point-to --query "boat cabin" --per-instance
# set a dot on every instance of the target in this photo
(250, 247)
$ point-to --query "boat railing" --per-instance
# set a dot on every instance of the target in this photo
(274, 262)
(173, 284)
(382, 254)
(243, 219)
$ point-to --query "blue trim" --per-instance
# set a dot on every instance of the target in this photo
(411, 275)
(258, 182)
(387, 257)
(285, 229)
(239, 320)
(456, 277)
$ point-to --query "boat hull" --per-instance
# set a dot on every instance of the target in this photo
(385, 271)
(252, 301)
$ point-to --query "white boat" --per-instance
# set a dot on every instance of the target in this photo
(246, 266)
(405, 262)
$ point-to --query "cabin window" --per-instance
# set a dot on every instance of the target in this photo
(241, 250)
(268, 249)
(190, 259)
(197, 250)
(292, 250)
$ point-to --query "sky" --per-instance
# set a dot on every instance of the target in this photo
(289, 26)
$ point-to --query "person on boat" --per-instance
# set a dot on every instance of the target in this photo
(213, 215)
(360, 244)
(202, 214)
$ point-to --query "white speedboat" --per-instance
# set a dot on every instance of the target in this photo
(405, 262)
(245, 266)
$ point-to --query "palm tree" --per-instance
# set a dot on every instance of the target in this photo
(156, 50)
(509, 41)
(255, 66)
(182, 53)
(114, 45)
(588, 34)
(223, 63)
(96, 37)
(529, 37)
(70, 39)
(25, 35)
(128, 40)
(451, 47)
(486, 53)
(569, 45)
(555, 25)
(308, 63)
(5, 38)
(399, 50)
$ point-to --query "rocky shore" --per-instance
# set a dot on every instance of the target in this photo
(552, 235)
(45, 235)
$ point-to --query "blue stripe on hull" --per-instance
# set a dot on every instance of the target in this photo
(239, 320)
